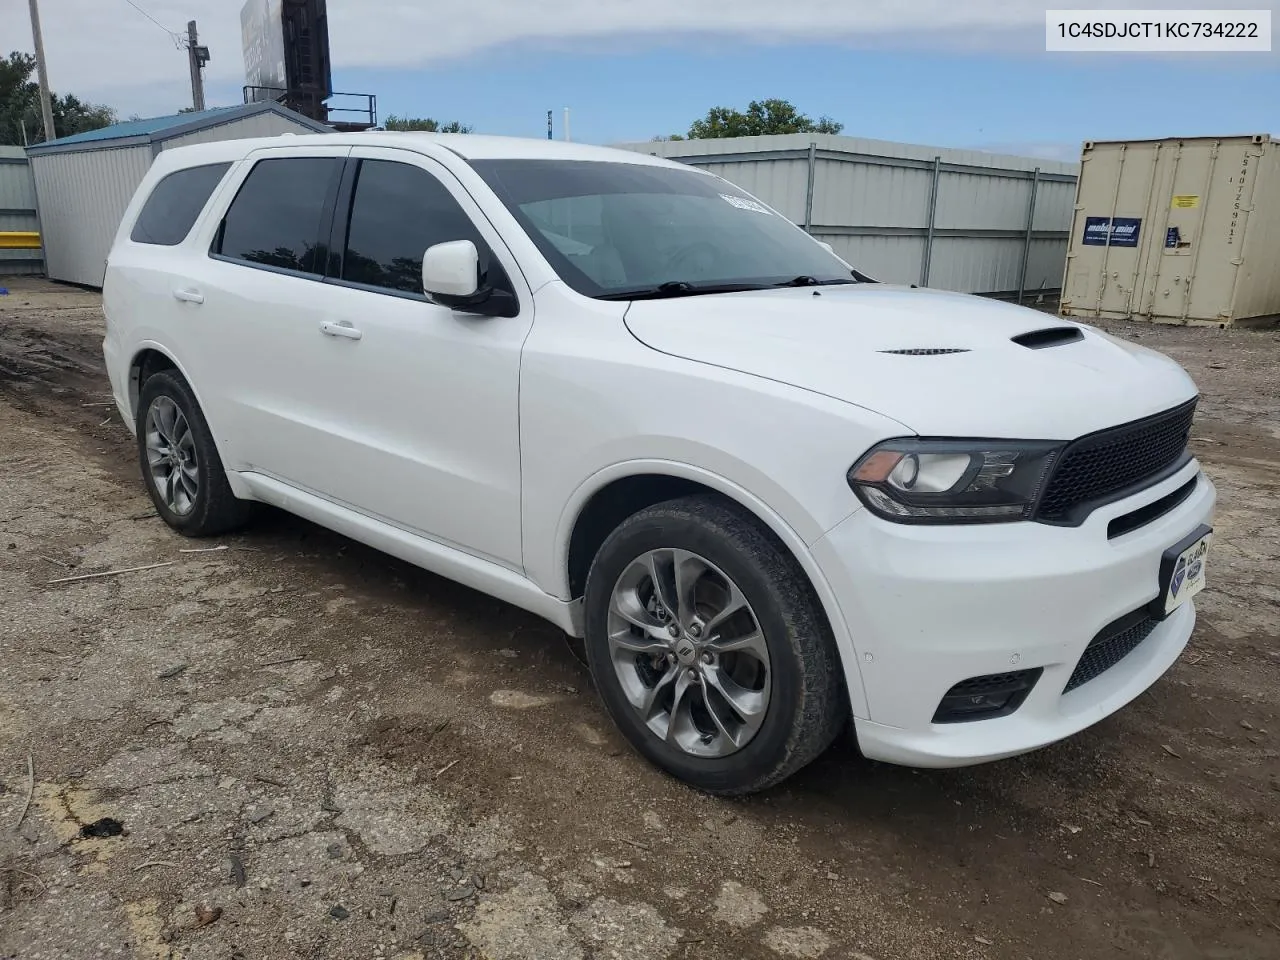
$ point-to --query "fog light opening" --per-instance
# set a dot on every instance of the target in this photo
(986, 697)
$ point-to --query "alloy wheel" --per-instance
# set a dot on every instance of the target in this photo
(689, 653)
(171, 456)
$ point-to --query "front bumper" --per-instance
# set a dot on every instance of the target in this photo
(930, 606)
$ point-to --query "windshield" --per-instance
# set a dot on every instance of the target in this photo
(616, 230)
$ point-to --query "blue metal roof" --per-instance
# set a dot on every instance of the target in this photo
(141, 128)
(162, 128)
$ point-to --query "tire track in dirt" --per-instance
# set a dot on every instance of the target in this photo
(390, 717)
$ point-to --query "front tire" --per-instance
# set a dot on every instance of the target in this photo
(709, 648)
(180, 463)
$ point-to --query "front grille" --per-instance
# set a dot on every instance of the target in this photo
(1097, 468)
(1109, 647)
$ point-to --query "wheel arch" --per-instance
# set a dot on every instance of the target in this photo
(146, 360)
(150, 357)
(617, 492)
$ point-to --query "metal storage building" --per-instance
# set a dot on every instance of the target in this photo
(1176, 231)
(84, 182)
(19, 227)
(956, 219)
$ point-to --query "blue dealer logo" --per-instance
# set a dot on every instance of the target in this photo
(1179, 575)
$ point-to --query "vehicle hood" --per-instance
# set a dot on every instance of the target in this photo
(831, 340)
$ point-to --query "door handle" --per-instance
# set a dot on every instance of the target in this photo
(340, 329)
(189, 296)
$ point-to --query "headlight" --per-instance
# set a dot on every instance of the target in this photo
(953, 481)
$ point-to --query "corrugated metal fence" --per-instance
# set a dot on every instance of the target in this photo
(955, 219)
(17, 212)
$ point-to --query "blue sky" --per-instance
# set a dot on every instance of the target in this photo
(1037, 103)
(962, 73)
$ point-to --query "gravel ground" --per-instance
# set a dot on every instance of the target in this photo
(297, 747)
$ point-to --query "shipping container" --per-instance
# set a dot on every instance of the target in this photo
(1176, 231)
(935, 216)
(83, 183)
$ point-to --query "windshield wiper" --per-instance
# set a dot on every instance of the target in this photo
(807, 281)
(681, 288)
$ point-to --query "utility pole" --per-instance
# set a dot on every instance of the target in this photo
(46, 105)
(197, 57)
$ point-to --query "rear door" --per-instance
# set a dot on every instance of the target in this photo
(256, 297)
(412, 408)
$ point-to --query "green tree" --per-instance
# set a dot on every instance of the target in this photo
(20, 106)
(423, 125)
(761, 118)
(73, 115)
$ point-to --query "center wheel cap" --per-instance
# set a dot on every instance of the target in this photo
(686, 651)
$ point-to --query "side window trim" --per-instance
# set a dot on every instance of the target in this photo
(345, 208)
(324, 223)
(328, 214)
(209, 223)
(340, 233)
(381, 291)
(266, 267)
(340, 220)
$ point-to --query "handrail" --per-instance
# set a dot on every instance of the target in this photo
(365, 114)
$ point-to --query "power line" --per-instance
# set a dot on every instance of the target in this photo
(173, 34)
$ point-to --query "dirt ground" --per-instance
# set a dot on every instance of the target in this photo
(317, 751)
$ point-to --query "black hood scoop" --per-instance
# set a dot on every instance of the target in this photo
(1048, 337)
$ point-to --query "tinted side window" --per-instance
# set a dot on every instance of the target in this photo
(174, 204)
(397, 211)
(275, 218)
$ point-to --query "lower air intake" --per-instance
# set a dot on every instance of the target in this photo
(982, 698)
(1108, 648)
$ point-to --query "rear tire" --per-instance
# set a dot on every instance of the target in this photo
(180, 463)
(731, 703)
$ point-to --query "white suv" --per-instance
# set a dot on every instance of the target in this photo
(772, 494)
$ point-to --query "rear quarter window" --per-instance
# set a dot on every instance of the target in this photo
(175, 203)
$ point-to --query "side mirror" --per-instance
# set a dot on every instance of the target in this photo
(452, 277)
(451, 271)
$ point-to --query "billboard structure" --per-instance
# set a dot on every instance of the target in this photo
(286, 59)
(262, 35)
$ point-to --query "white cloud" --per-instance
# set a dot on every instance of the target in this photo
(107, 51)
(1069, 152)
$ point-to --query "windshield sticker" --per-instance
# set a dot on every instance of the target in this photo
(742, 203)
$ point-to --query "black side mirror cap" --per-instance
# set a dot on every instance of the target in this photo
(486, 302)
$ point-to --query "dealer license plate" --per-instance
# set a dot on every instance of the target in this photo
(1182, 569)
